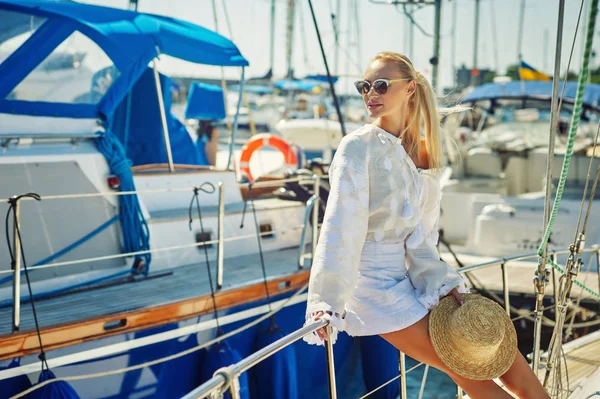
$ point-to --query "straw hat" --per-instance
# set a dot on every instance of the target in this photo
(476, 340)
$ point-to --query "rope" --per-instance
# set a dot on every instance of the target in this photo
(195, 199)
(390, 381)
(577, 283)
(258, 239)
(14, 203)
(136, 235)
(166, 358)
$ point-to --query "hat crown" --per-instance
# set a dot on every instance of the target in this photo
(474, 328)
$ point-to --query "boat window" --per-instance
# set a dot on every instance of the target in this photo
(15, 29)
(77, 71)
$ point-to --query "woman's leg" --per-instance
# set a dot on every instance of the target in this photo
(521, 380)
(414, 341)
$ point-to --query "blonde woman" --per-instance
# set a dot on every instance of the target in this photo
(377, 269)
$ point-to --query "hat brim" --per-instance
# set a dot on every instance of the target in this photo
(455, 360)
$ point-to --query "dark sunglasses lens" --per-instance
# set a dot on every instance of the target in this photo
(362, 87)
(380, 86)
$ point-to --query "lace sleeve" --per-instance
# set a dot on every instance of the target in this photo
(431, 277)
(335, 267)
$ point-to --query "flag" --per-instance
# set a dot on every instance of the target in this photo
(527, 72)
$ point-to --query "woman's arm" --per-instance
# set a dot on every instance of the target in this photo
(337, 257)
(431, 277)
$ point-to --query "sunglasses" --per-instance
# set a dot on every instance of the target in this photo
(379, 85)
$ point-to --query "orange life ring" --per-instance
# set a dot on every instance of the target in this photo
(263, 140)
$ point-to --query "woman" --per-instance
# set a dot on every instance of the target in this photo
(208, 139)
(376, 268)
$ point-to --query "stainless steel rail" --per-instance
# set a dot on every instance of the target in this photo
(226, 379)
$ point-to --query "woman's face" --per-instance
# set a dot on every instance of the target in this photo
(395, 99)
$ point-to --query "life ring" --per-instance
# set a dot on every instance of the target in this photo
(264, 140)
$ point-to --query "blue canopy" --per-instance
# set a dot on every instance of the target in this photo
(322, 78)
(535, 90)
(205, 101)
(253, 88)
(297, 85)
(130, 39)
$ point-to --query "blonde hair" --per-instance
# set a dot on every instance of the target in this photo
(424, 108)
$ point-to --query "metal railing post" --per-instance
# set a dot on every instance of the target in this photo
(307, 214)
(220, 233)
(403, 376)
(423, 381)
(315, 226)
(163, 117)
(330, 364)
(234, 388)
(17, 271)
(505, 287)
(554, 258)
(598, 267)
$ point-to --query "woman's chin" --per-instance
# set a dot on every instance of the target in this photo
(376, 113)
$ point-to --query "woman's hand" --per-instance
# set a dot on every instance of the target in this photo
(321, 331)
(456, 296)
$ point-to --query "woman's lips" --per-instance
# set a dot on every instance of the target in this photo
(373, 106)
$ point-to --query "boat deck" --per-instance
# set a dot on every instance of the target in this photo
(161, 287)
(582, 358)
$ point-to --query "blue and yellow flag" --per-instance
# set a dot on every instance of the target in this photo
(527, 72)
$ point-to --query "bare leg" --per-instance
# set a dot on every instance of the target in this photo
(522, 381)
(414, 341)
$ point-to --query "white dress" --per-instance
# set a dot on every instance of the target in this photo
(376, 262)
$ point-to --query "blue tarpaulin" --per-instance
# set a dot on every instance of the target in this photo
(130, 39)
(222, 355)
(251, 88)
(276, 376)
(141, 131)
(56, 390)
(297, 85)
(533, 90)
(15, 385)
(205, 101)
(321, 78)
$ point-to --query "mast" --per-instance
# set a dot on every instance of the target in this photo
(520, 37)
(475, 42)
(411, 35)
(336, 30)
(453, 51)
(290, 38)
(436, 43)
(272, 49)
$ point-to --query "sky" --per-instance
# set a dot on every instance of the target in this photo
(382, 28)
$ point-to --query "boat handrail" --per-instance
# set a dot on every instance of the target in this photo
(226, 379)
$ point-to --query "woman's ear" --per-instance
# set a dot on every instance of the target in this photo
(410, 88)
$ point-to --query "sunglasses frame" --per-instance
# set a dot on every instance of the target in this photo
(388, 83)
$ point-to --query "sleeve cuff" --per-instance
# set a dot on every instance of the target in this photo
(335, 322)
(431, 300)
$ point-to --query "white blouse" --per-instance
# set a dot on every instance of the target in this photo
(376, 194)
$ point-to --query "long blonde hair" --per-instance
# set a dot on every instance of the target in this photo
(424, 109)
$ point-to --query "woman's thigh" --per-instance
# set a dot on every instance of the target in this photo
(414, 341)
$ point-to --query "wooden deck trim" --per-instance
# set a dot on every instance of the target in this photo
(26, 342)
